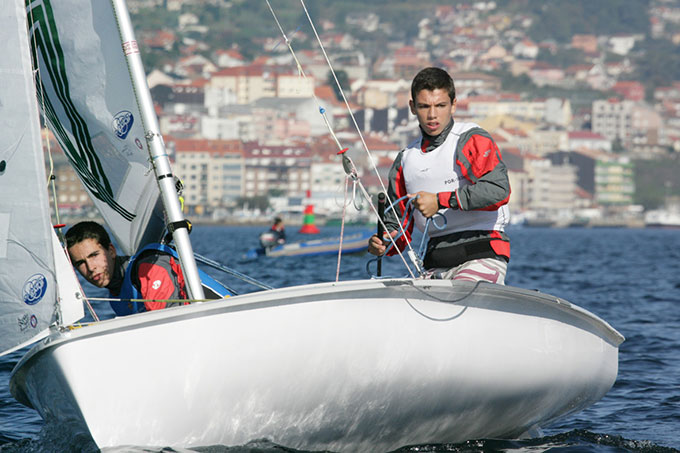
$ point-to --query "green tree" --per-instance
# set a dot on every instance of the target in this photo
(260, 202)
(655, 180)
(617, 146)
(657, 63)
(343, 80)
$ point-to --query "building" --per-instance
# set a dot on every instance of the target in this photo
(613, 119)
(609, 178)
(72, 199)
(246, 84)
(212, 172)
(632, 123)
(276, 170)
(588, 140)
(281, 119)
(614, 182)
(552, 188)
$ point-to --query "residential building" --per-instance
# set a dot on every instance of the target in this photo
(212, 171)
(609, 178)
(614, 182)
(511, 105)
(587, 140)
(247, 84)
(229, 58)
(72, 199)
(474, 83)
(545, 74)
(282, 119)
(613, 119)
(587, 43)
(631, 90)
(277, 170)
(552, 188)
(383, 93)
(633, 123)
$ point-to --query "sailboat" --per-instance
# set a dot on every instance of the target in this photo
(368, 365)
(350, 243)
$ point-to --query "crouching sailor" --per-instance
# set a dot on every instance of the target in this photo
(153, 274)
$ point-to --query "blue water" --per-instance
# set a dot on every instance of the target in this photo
(629, 277)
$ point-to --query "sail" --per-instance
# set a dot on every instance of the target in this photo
(29, 299)
(87, 98)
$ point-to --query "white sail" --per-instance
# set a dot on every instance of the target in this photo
(28, 281)
(88, 100)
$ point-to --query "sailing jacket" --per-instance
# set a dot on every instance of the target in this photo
(155, 273)
(463, 166)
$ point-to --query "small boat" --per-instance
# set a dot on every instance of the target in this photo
(663, 218)
(366, 365)
(353, 366)
(351, 243)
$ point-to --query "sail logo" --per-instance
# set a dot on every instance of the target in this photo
(34, 289)
(122, 123)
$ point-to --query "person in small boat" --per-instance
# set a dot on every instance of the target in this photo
(153, 274)
(275, 236)
(453, 174)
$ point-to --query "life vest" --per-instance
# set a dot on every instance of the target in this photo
(440, 170)
(212, 288)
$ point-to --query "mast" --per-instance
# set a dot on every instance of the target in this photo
(177, 224)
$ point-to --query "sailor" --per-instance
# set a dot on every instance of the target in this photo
(153, 274)
(275, 236)
(453, 174)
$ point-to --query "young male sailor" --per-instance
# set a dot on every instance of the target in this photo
(455, 170)
(153, 274)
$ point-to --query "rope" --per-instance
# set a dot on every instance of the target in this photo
(342, 230)
(350, 169)
(233, 272)
(170, 301)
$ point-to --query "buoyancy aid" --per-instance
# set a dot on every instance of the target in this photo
(212, 288)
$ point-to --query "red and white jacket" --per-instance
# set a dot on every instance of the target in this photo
(468, 175)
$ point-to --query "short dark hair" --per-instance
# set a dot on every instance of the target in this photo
(432, 79)
(87, 230)
(278, 220)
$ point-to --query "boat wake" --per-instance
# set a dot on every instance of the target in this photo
(576, 441)
(51, 440)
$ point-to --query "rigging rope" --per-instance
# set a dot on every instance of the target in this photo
(348, 165)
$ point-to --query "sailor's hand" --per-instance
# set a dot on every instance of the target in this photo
(377, 246)
(425, 202)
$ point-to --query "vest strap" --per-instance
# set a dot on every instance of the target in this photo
(455, 255)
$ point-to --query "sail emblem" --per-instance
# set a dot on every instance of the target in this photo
(34, 289)
(122, 123)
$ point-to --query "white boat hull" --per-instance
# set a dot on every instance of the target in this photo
(352, 366)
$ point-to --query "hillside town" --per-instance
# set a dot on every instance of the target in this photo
(248, 140)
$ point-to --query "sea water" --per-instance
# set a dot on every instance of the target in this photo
(628, 277)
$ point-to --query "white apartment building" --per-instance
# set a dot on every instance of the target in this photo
(628, 121)
(553, 110)
(588, 140)
(246, 84)
(613, 118)
(552, 188)
(276, 170)
(212, 171)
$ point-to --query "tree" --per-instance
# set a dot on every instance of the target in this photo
(343, 79)
(260, 202)
(617, 146)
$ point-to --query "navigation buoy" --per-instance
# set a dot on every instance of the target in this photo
(308, 226)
